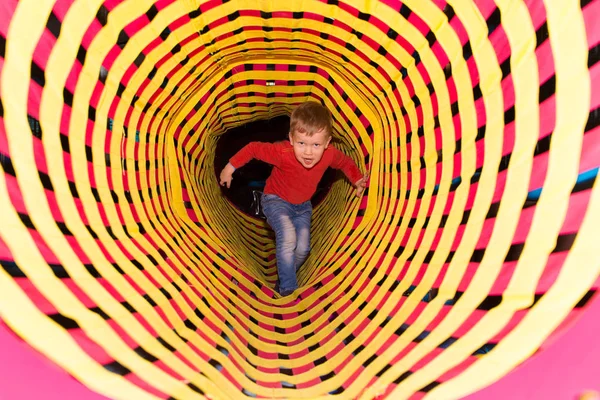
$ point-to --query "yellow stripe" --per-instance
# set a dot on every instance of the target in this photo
(577, 274)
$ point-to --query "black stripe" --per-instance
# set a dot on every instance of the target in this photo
(102, 15)
(164, 35)
(26, 221)
(100, 312)
(541, 35)
(152, 12)
(68, 97)
(2, 46)
(536, 298)
(166, 345)
(339, 390)
(509, 115)
(123, 39)
(505, 67)
(543, 145)
(367, 362)
(486, 348)
(195, 388)
(81, 54)
(593, 56)
(65, 322)
(91, 113)
(327, 376)
(493, 21)
(144, 354)
(430, 387)
(593, 120)
(34, 126)
(477, 92)
(585, 185)
(514, 252)
(585, 299)
(117, 368)
(564, 242)
(547, 89)
(467, 51)
(73, 189)
(12, 269)
(431, 39)
(405, 11)
(129, 307)
(7, 165)
(37, 74)
(383, 370)
(402, 377)
(150, 301)
(53, 25)
(449, 11)
(139, 59)
(490, 302)
(448, 71)
(165, 293)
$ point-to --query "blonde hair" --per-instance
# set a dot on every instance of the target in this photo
(309, 118)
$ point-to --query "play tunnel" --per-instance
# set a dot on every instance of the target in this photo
(127, 274)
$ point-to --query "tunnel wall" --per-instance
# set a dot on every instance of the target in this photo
(473, 248)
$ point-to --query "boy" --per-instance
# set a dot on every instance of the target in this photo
(298, 166)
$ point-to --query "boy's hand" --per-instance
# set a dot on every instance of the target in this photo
(361, 184)
(226, 175)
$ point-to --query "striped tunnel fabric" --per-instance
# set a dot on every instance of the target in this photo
(474, 247)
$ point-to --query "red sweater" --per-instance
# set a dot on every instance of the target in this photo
(289, 179)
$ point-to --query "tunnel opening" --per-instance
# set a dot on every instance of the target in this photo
(248, 182)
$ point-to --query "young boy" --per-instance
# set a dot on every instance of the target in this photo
(298, 166)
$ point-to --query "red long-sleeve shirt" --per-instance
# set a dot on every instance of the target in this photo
(289, 179)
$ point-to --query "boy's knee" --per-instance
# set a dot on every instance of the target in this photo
(288, 244)
(288, 240)
(302, 253)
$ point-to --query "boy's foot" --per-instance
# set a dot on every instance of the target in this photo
(283, 293)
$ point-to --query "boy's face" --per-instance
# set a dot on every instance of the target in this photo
(309, 149)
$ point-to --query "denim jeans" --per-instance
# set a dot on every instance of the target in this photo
(291, 223)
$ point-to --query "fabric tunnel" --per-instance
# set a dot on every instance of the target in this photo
(129, 274)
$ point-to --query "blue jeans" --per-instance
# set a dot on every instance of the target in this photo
(291, 223)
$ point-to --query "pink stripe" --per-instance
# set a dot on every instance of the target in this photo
(134, 379)
(90, 347)
(458, 369)
(7, 9)
(500, 44)
(35, 296)
(21, 365)
(562, 371)
(590, 16)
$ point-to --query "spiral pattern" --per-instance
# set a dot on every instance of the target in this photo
(474, 245)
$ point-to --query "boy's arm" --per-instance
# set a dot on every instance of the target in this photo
(350, 169)
(266, 152)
